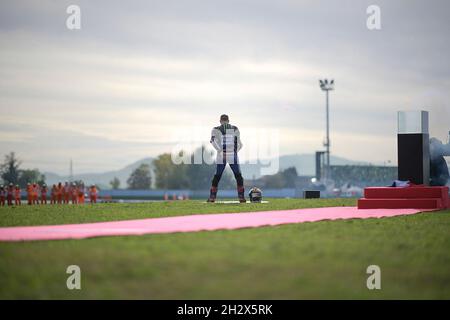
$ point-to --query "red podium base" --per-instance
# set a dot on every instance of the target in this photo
(413, 197)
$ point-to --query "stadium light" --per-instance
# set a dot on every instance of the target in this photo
(327, 86)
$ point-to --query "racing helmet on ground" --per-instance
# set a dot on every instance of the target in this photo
(255, 194)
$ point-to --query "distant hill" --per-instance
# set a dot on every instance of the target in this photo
(101, 179)
(304, 163)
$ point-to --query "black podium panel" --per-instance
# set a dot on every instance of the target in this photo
(414, 157)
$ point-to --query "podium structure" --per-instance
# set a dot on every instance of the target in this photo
(413, 165)
(413, 147)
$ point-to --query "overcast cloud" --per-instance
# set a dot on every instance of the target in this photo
(114, 91)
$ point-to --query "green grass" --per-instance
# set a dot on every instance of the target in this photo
(326, 259)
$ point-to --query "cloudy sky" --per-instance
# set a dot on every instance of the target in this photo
(136, 72)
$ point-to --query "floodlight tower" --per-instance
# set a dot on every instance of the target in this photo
(327, 86)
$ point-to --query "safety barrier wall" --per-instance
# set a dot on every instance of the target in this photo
(192, 194)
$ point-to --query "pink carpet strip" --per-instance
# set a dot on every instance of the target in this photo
(192, 223)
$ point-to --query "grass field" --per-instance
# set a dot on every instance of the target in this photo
(325, 259)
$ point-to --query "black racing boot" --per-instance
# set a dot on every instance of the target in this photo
(240, 190)
(212, 195)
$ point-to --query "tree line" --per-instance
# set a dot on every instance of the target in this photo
(192, 176)
(165, 173)
(168, 175)
(11, 172)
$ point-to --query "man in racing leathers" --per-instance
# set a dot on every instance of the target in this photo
(227, 142)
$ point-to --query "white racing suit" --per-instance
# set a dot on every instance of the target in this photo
(227, 142)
